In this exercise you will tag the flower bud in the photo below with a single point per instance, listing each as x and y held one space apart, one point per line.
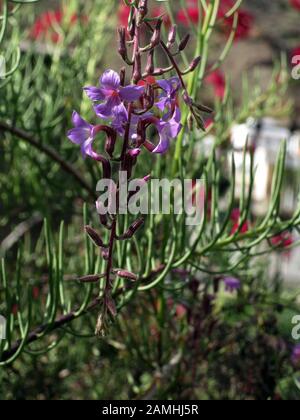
172 36
155 40
194 64
94 236
127 275
122 50
203 108
199 122
90 278
190 122
132 229
102 213
183 43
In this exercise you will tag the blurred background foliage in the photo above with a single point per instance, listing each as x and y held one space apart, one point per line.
188 337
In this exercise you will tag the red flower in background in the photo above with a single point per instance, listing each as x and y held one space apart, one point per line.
245 23
295 4
208 122
235 217
190 14
284 240
160 11
123 14
217 80
295 52
44 26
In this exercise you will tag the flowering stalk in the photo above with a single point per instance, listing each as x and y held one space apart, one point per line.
128 111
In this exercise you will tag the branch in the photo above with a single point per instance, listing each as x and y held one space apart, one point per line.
18 232
36 333
49 152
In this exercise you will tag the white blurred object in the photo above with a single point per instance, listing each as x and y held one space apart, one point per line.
265 137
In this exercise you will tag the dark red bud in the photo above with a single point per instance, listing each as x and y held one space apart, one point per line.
195 63
155 40
122 50
94 236
183 43
132 229
93 278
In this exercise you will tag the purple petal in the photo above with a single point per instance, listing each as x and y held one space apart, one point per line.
106 110
86 148
174 124
95 93
165 85
120 117
168 130
231 283
110 80
170 86
162 103
163 145
131 93
78 121
79 135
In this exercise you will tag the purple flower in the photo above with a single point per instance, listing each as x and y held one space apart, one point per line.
296 355
232 284
120 118
112 93
167 129
168 98
82 134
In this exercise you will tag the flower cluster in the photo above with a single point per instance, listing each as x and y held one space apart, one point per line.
126 112
111 101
